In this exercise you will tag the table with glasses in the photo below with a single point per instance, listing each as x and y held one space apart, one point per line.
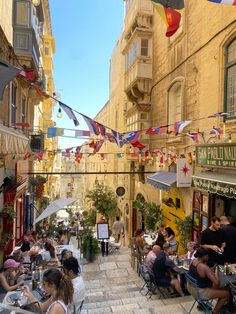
150 238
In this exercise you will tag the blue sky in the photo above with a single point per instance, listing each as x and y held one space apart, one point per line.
85 33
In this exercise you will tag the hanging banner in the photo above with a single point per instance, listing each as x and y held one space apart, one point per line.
184 173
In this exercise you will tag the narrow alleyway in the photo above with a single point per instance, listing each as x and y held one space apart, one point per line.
112 286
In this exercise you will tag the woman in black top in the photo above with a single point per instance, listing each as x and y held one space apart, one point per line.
208 282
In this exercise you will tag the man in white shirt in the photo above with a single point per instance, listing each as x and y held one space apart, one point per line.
72 270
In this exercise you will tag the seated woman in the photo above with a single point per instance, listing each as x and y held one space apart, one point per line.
208 282
49 255
8 276
169 236
65 254
63 238
140 244
191 247
160 240
60 290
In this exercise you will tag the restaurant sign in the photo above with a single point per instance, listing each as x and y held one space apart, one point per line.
216 187
217 156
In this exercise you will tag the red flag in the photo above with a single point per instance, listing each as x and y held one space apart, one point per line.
28 74
138 145
22 124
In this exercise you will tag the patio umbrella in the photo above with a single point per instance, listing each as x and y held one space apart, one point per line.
54 207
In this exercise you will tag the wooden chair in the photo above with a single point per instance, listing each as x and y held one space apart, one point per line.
133 253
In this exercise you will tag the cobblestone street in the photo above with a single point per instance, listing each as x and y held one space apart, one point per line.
112 286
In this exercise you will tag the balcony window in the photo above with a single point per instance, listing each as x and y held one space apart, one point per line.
13 108
231 79
26 25
175 104
131 55
22 14
23 113
144 47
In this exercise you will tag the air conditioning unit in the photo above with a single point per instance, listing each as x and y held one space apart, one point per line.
37 142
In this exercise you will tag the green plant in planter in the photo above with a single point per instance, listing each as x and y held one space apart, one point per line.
184 229
90 247
151 212
103 200
6 236
9 212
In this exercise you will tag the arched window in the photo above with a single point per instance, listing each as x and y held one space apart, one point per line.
231 79
175 104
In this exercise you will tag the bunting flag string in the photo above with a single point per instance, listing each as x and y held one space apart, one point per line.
120 139
232 2
69 112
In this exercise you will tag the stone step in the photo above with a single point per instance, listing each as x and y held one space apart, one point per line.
147 307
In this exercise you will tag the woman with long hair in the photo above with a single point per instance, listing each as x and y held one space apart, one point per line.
49 255
58 287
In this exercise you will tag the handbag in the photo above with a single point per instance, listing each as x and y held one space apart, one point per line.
32 307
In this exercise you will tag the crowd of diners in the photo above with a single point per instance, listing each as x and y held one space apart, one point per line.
216 247
61 283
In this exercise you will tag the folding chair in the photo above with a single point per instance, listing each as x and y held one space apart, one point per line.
148 281
114 247
79 309
204 304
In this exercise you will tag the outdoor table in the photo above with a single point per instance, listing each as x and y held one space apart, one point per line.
148 239
60 248
225 279
6 308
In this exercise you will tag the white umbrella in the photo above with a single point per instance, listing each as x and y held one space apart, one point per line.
54 207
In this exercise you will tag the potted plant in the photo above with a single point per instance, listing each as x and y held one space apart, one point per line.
184 228
103 200
6 236
90 247
8 212
151 212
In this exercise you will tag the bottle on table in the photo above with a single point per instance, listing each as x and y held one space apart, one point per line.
34 281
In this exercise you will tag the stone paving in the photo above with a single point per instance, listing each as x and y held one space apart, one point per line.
112 286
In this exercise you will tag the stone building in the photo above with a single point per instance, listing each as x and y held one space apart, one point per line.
22 27
157 81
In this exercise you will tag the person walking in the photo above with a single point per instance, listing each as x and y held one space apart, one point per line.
118 229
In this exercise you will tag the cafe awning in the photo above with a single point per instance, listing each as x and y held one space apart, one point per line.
12 142
162 180
55 206
223 184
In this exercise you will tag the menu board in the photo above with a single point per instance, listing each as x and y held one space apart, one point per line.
102 231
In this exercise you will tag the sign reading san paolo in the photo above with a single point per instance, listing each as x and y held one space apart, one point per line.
219 156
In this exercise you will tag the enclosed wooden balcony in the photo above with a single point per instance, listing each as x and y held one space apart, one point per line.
138 13
138 80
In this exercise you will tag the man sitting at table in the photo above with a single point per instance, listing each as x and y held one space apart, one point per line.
208 282
150 259
161 270
72 270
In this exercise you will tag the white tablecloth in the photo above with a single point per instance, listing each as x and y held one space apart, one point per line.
148 239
